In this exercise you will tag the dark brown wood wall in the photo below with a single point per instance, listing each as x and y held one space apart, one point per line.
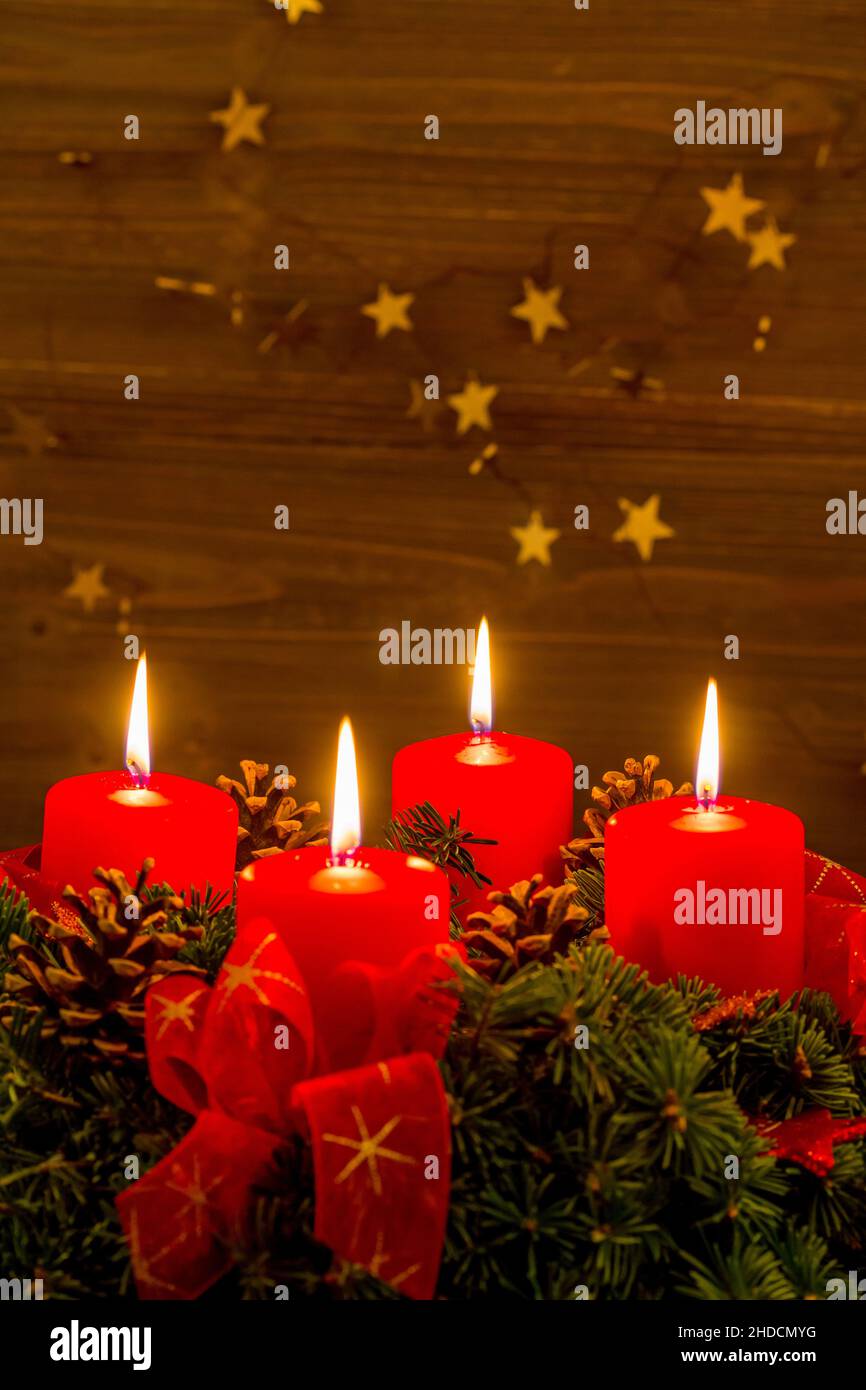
556 129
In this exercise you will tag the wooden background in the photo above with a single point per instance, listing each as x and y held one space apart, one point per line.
556 128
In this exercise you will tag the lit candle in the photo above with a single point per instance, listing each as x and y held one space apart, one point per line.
116 820
708 885
516 791
332 905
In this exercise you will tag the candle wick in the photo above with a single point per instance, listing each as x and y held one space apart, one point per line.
139 776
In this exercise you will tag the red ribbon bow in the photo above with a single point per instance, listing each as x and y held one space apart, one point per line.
240 1056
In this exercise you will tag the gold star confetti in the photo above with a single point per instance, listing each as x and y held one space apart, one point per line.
421 408
765 323
535 540
769 246
369 1149
729 208
389 311
285 331
88 586
635 383
540 310
236 308
246 976
296 9
472 405
487 455
124 609
642 526
171 282
30 432
241 121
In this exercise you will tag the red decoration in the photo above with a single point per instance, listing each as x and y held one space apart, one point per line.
836 936
808 1139
239 1056
22 869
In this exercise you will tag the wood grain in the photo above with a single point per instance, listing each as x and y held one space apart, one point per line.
556 129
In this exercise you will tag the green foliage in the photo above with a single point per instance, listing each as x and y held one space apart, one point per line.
212 910
421 830
602 1165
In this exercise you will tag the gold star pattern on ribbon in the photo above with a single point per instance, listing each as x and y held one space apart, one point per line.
240 121
88 586
389 311
245 976
379 1259
729 208
540 309
369 1149
642 525
178 1011
296 9
30 431
769 246
472 405
197 1197
142 1265
535 539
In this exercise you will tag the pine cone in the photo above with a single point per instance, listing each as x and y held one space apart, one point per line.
270 820
526 923
637 783
92 986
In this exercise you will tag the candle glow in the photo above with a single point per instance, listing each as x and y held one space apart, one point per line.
698 887
484 774
346 820
137 734
481 704
707 778
121 818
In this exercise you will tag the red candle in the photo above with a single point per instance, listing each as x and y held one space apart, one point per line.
344 903
516 791
708 885
116 820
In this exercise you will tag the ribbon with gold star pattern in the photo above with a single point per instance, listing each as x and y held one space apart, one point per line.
241 1056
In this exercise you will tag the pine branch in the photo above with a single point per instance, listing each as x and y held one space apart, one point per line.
422 831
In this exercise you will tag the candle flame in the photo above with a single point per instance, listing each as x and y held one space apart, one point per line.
137 736
481 704
707 781
346 820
